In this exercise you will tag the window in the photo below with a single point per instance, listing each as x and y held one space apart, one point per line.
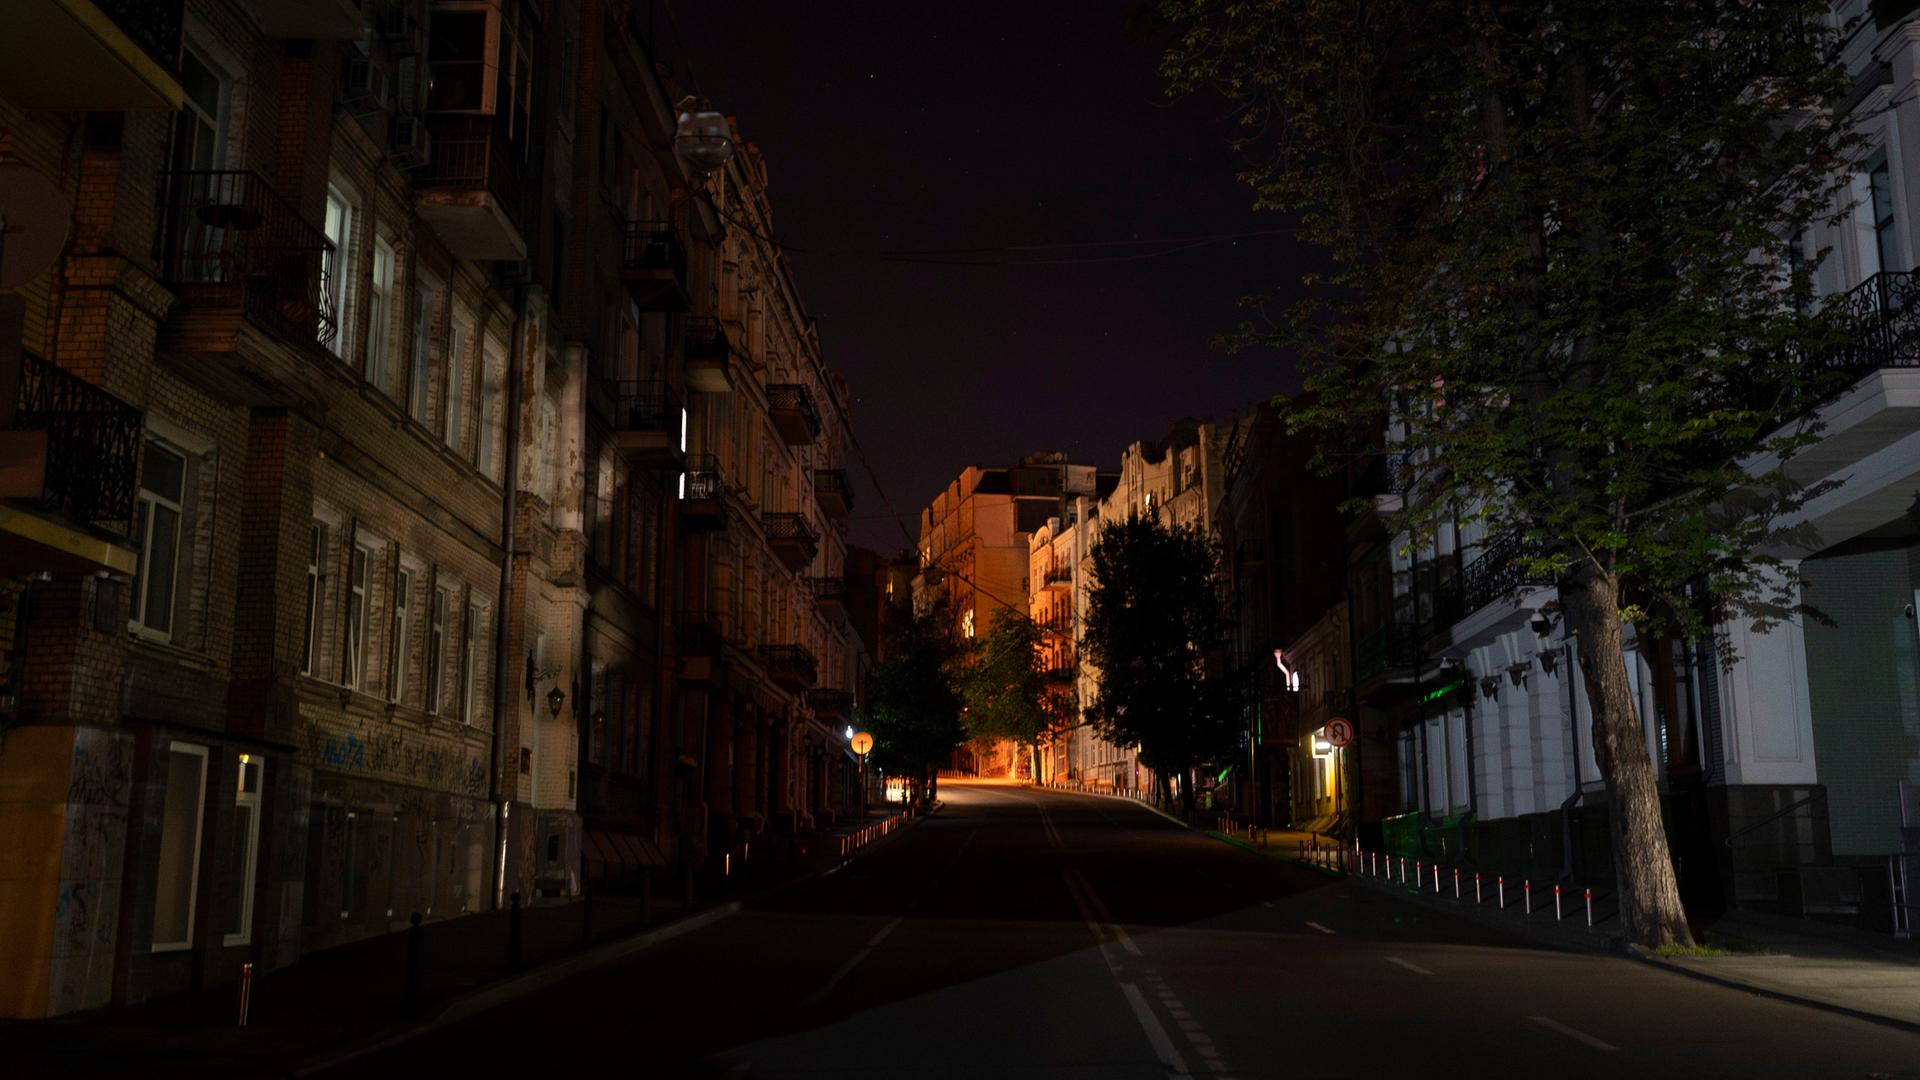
516 56
199 138
437 646
469 629
397 639
452 412
163 481
380 315
462 63
489 393
426 308
339 263
316 594
1880 186
177 881
243 851
354 663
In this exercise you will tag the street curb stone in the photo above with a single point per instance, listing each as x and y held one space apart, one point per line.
1643 953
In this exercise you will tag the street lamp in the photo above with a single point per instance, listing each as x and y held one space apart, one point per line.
556 697
862 743
703 138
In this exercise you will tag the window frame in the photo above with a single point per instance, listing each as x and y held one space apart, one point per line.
339 265
243 797
353 656
175 746
316 596
469 675
453 402
379 359
426 316
437 647
399 629
146 501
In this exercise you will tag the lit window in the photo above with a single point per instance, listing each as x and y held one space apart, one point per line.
176 881
244 852
163 481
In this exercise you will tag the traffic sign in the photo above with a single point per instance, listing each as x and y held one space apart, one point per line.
1339 731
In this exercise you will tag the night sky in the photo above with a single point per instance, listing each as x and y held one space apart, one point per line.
985 206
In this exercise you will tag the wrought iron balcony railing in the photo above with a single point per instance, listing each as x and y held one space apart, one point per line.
1499 569
154 25
93 443
789 527
1883 314
828 589
795 398
832 700
790 660
832 484
1059 573
228 238
706 338
654 245
704 480
646 405
471 152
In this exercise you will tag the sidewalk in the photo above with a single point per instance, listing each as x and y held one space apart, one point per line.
339 1000
1825 965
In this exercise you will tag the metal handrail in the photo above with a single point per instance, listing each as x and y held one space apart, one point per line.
1769 819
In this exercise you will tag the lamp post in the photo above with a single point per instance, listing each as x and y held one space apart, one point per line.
862 743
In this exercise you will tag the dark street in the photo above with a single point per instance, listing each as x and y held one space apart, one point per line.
1024 932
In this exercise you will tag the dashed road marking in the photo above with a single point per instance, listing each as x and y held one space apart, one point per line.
1415 968
1575 1034
1317 926
1156 1034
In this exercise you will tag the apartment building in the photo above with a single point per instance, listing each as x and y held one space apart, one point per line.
355 446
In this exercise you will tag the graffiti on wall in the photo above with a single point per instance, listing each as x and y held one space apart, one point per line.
390 755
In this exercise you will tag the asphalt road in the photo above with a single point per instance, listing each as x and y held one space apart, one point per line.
1023 933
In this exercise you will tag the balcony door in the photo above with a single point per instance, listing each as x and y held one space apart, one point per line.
198 152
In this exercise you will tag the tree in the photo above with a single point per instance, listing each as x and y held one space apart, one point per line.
1558 275
913 705
1006 690
1152 618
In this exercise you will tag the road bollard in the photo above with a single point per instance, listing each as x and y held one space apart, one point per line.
1589 909
1456 883
1556 903
1376 864
513 933
1416 874
1436 879
1403 869
1527 888
1476 888
246 991
1502 884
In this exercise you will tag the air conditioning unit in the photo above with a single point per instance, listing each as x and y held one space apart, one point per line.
404 29
363 84
408 144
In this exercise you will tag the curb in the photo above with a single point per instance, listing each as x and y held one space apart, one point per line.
1213 834
1641 952
493 995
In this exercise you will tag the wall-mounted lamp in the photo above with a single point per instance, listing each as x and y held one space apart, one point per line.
1548 660
1489 686
1517 674
556 697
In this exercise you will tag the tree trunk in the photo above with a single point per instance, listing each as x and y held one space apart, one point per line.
1650 910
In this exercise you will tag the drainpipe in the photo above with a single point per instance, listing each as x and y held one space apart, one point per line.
502 659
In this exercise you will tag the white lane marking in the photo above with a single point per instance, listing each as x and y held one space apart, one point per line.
884 931
1187 1026
1149 1023
1415 968
1106 916
1317 926
1575 1034
845 970
1266 903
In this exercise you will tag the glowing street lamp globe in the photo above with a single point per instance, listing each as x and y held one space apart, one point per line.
862 742
704 140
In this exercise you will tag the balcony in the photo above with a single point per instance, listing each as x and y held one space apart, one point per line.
92 55
650 425
1058 667
832 702
703 495
653 263
322 20
790 666
1058 575
473 188
831 489
790 407
701 645
709 355
791 538
68 460
830 593
239 257
1500 570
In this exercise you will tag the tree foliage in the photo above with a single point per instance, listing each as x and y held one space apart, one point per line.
1152 618
912 700
1005 689
1560 276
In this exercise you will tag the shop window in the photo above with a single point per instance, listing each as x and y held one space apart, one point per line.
243 851
177 878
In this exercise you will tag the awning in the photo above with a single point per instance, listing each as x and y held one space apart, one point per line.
614 854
